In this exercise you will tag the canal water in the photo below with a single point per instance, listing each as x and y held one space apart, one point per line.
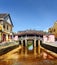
28 61
18 59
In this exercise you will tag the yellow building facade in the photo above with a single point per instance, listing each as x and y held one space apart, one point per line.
53 29
6 26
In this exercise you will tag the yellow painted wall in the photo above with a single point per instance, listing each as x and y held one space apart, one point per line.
53 29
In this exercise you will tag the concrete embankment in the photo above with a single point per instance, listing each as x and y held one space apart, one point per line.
49 47
50 53
6 49
11 54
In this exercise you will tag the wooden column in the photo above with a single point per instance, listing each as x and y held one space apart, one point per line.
25 47
22 47
39 47
35 47
6 37
0 36
1 32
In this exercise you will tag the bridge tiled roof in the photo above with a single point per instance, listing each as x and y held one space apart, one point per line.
34 32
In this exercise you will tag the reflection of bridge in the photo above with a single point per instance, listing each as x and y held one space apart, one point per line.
23 41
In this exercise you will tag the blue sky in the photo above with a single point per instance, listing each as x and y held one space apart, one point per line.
30 14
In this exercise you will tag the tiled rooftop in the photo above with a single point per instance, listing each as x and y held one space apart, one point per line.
3 15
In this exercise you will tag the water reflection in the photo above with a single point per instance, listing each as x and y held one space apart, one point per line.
28 62
30 47
17 59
